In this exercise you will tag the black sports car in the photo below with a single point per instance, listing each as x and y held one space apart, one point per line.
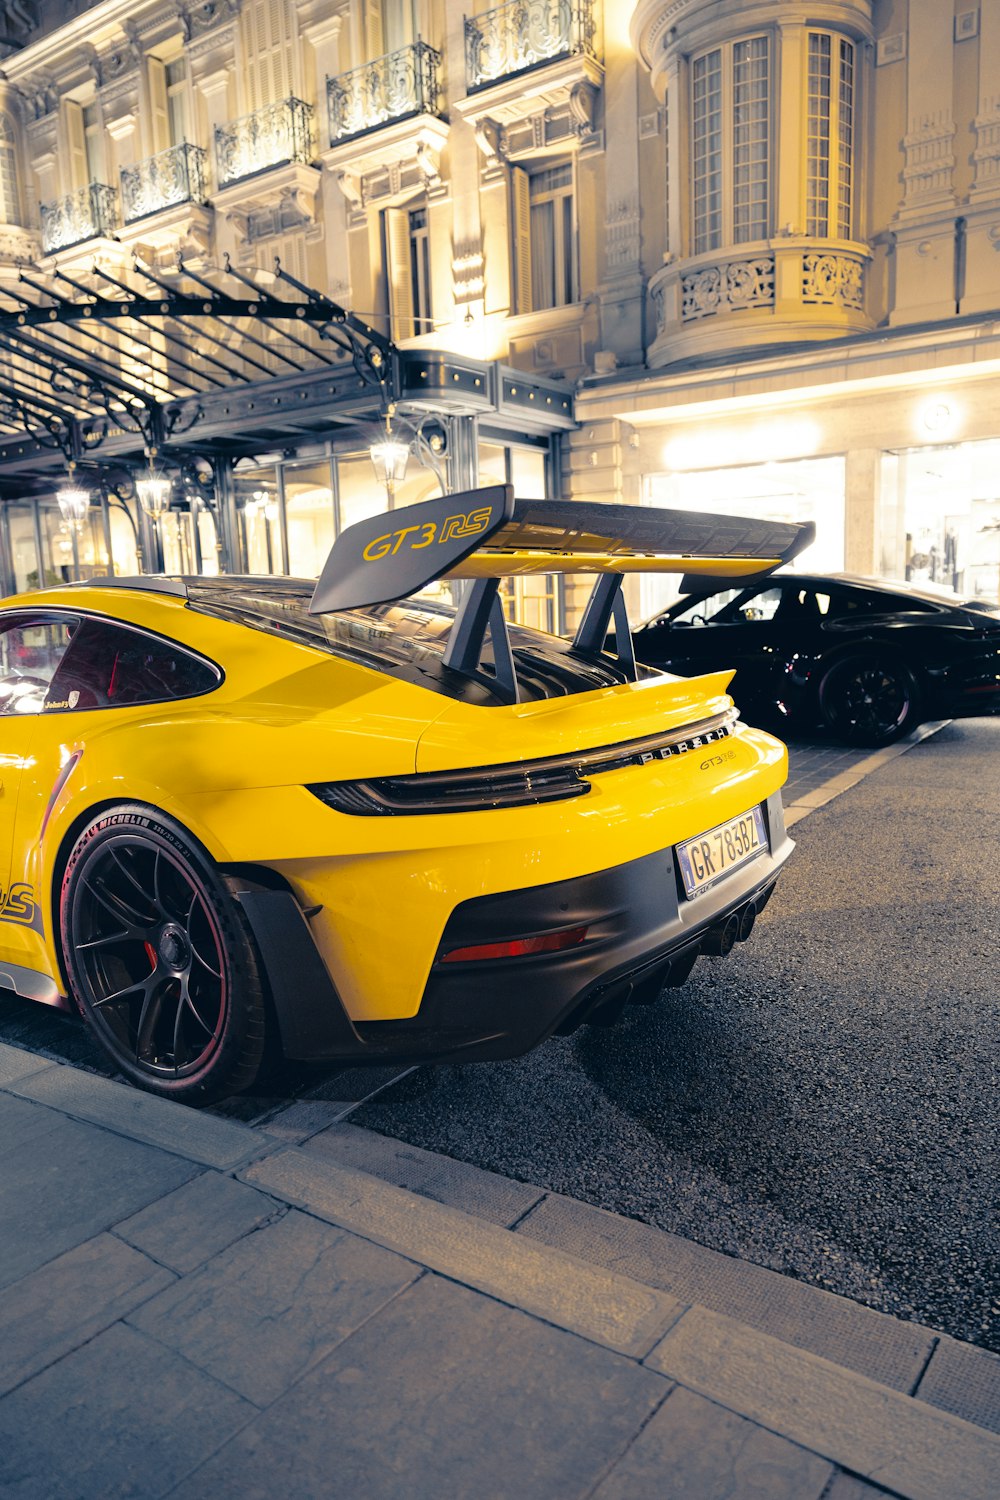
869 660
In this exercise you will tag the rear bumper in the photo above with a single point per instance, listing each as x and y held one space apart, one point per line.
642 932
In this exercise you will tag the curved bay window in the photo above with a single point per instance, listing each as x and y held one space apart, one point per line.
830 142
730 145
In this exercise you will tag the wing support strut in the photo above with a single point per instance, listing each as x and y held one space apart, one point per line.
481 613
607 604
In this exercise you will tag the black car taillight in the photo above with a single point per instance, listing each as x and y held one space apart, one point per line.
451 791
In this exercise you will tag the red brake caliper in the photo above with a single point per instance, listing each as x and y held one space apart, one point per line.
151 955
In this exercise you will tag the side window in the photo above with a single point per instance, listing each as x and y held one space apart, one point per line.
700 610
30 653
113 666
760 606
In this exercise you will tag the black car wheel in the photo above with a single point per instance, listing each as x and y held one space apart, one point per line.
869 700
159 958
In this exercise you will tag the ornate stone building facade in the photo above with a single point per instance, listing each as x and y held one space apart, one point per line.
760 239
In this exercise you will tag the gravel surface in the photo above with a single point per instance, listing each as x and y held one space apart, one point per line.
823 1101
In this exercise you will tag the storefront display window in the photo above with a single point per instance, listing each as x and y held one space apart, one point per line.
23 548
123 548
809 489
309 516
940 518
258 510
529 601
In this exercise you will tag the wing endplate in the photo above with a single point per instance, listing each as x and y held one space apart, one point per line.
399 552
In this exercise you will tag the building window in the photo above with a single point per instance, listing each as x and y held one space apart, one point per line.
10 198
406 233
730 106
420 268
830 145
544 238
93 136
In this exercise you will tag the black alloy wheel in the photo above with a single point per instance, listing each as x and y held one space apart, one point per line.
869 700
160 958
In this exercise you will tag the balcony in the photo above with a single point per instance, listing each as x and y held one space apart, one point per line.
171 177
772 292
526 34
88 213
533 75
395 87
270 137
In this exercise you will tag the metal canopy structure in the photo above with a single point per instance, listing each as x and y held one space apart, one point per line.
112 366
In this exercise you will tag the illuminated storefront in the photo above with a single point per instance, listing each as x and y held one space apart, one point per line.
889 442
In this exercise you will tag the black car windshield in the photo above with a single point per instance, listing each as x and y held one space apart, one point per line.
404 640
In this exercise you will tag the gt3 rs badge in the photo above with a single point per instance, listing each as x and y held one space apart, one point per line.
426 535
397 553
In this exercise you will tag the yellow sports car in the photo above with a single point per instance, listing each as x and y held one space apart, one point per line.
242 815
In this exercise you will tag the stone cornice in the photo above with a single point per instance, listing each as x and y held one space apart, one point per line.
53 51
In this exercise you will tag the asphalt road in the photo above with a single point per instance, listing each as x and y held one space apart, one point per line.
821 1102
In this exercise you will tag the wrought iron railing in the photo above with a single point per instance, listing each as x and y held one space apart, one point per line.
525 34
391 88
174 176
269 137
80 216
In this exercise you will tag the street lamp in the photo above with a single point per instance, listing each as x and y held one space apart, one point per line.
388 458
74 503
154 491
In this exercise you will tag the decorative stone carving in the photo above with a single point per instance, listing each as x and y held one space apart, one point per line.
468 272
40 95
428 165
583 106
489 139
986 155
831 280
659 313
352 189
929 160
727 288
622 236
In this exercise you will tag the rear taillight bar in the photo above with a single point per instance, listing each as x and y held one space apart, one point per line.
551 780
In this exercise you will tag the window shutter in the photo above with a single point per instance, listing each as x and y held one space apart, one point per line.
521 215
267 51
158 112
76 143
374 30
400 276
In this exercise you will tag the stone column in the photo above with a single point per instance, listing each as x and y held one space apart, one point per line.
925 222
788 149
861 510
622 289
982 274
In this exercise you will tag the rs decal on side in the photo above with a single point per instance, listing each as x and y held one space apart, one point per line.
17 904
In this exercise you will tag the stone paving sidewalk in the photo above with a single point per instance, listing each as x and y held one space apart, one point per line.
193 1307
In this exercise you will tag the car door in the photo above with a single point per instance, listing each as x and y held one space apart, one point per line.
32 645
740 628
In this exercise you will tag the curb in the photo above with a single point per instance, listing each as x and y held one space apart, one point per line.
796 811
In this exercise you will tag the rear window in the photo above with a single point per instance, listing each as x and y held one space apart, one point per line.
112 666
404 640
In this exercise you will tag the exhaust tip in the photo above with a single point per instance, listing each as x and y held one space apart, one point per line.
719 940
748 917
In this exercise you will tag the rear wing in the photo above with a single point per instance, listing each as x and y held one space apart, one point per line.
486 535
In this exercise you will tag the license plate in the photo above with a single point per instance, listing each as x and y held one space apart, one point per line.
712 855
